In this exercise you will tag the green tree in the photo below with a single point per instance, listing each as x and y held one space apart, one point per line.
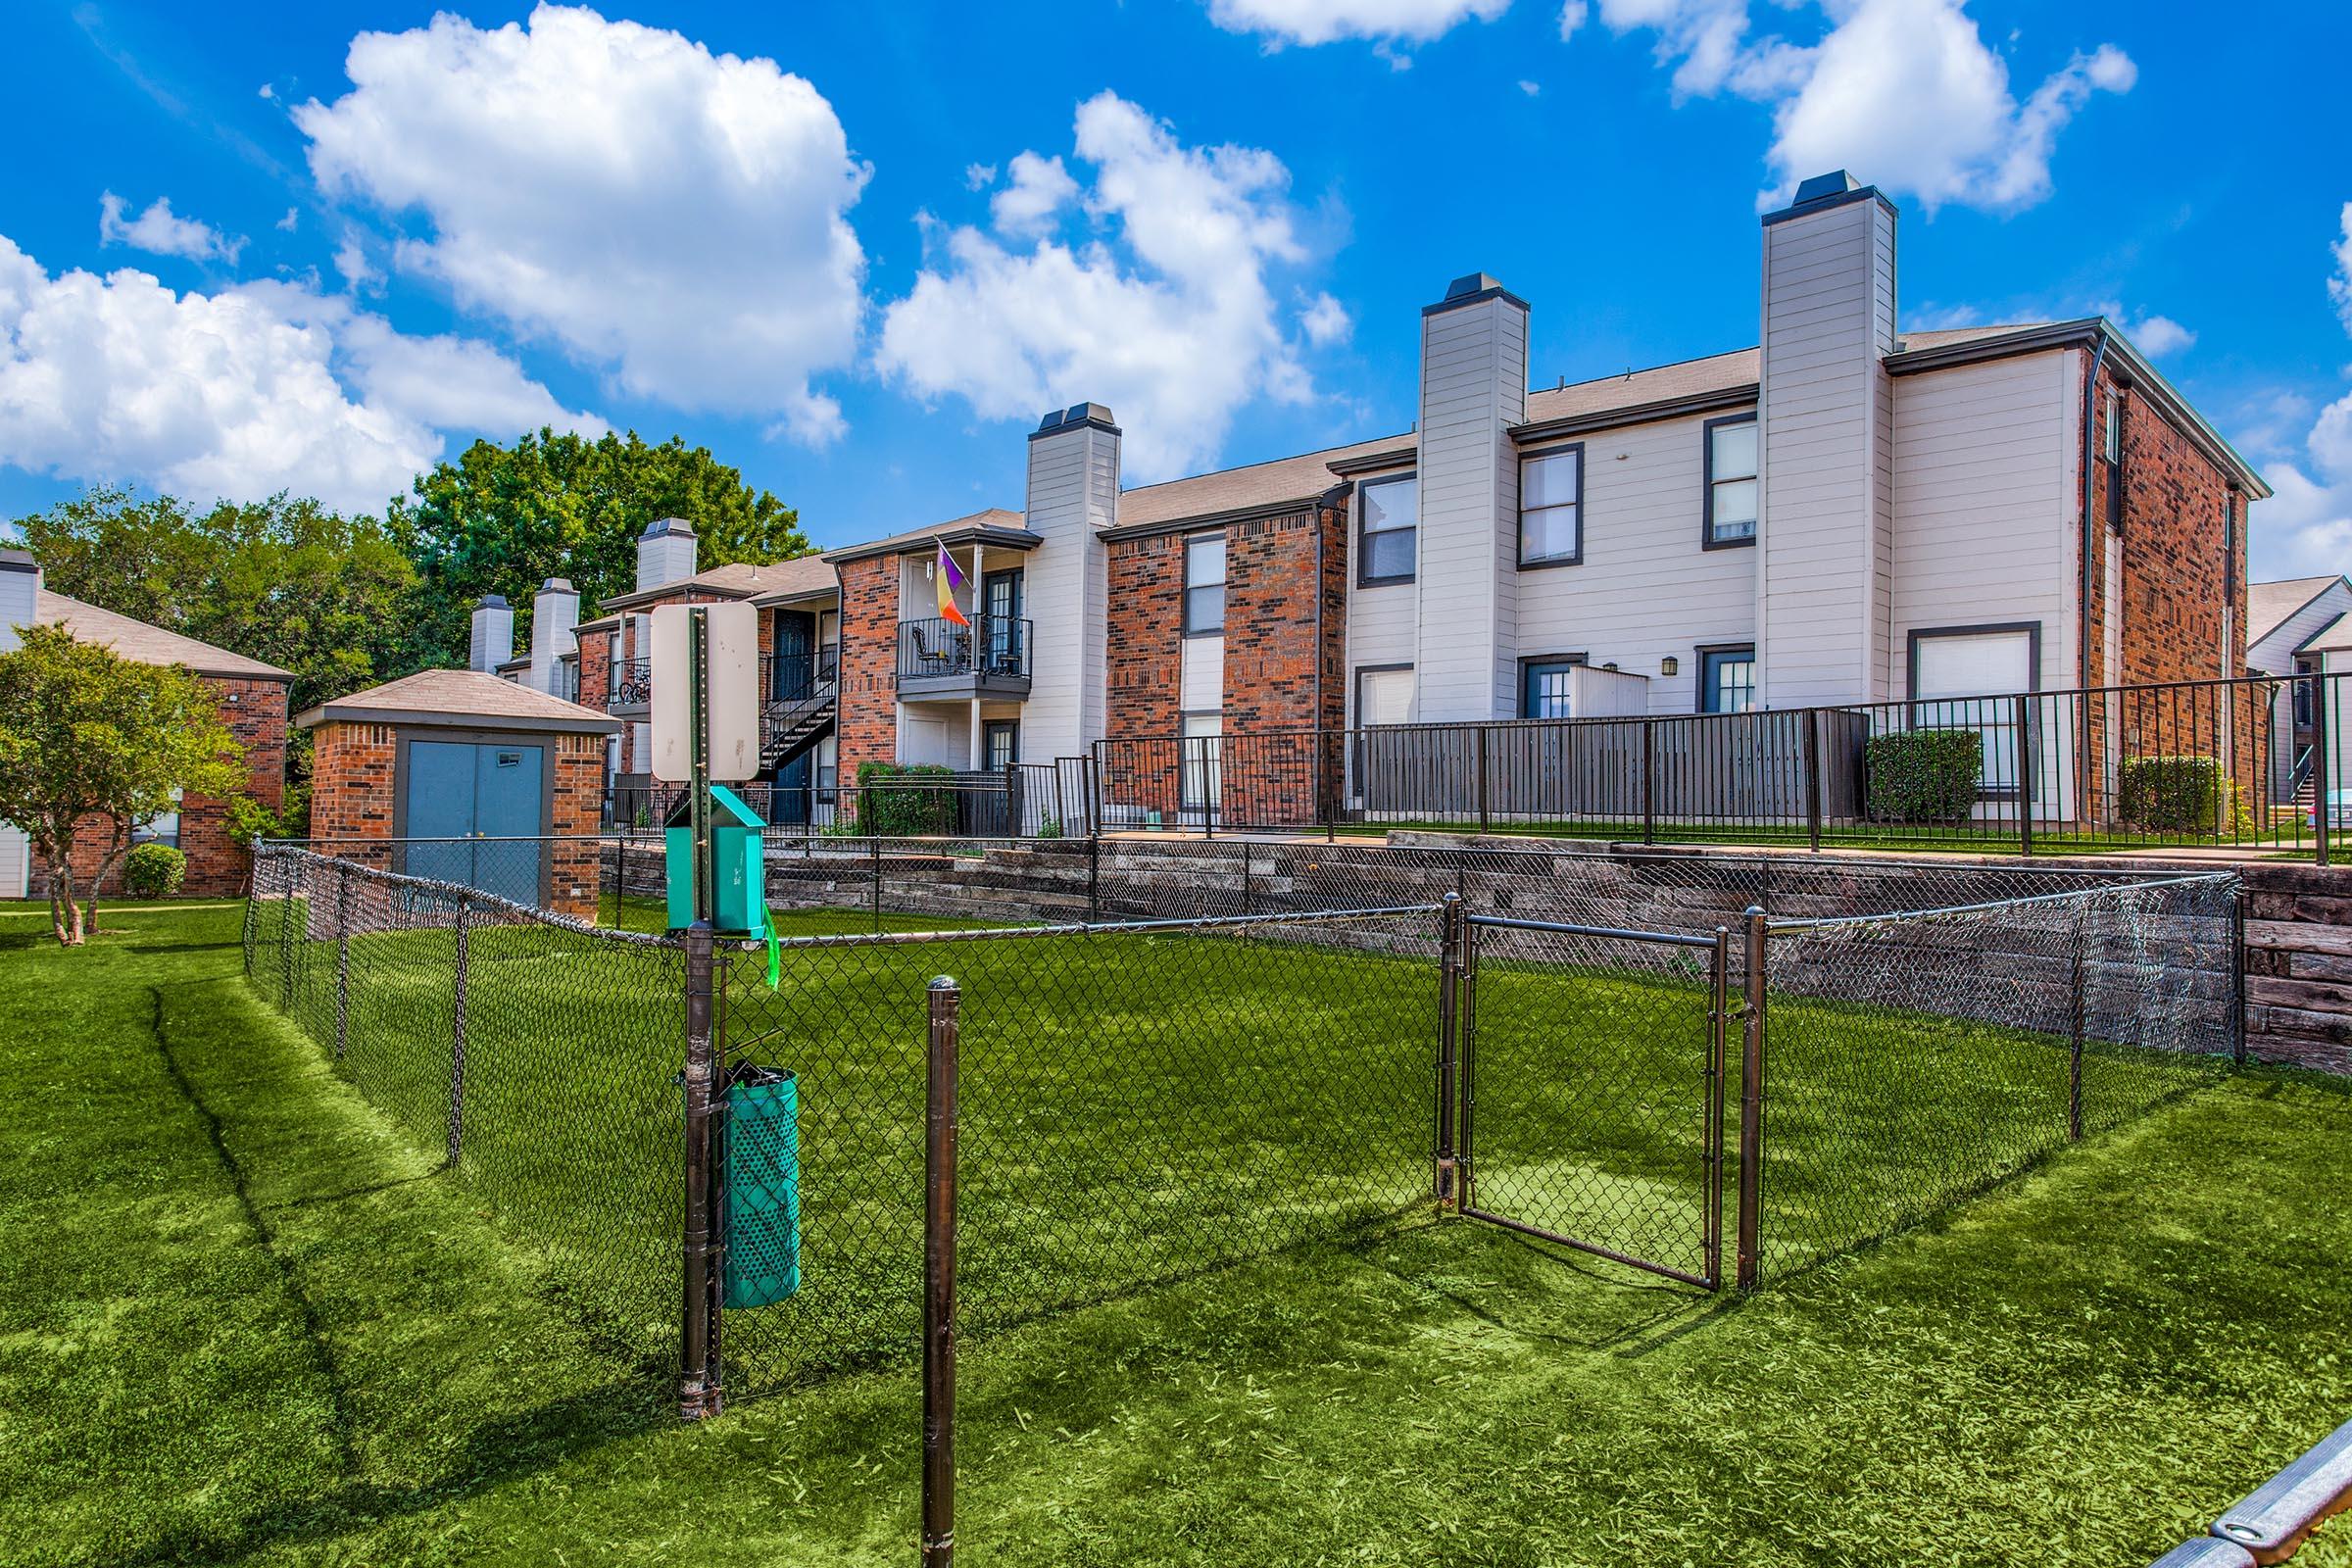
285 580
503 519
90 738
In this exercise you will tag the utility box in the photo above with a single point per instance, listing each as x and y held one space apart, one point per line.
760 1163
738 878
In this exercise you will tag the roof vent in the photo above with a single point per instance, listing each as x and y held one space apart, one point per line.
1463 287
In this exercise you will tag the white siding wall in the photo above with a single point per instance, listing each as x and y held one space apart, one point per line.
1645 591
2276 653
1473 389
1984 506
1073 490
1829 320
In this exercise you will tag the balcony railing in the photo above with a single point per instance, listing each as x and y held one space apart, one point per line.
991 648
632 685
789 678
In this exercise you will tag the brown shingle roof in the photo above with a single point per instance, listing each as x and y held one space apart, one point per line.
991 519
739 579
143 644
466 698
1258 484
2268 603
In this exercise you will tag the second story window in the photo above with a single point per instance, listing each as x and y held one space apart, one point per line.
1391 520
1731 482
2112 449
1552 496
1204 584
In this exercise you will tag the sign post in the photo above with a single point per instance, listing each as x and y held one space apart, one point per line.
709 656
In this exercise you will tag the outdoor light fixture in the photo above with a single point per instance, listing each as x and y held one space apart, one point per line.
1669 664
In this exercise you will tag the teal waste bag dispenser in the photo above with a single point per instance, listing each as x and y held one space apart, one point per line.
738 882
759 1162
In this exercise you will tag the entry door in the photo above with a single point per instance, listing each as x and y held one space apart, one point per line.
1000 601
482 801
1962 681
794 669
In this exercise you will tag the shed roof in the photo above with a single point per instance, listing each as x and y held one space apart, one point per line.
465 699
142 644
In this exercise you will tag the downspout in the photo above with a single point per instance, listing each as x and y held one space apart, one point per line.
2083 781
2091 395
1330 500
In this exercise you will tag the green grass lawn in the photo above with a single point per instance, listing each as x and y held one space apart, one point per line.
246 1321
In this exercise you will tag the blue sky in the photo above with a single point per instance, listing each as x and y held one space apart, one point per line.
857 250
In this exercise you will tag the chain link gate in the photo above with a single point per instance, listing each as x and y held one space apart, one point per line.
1591 1074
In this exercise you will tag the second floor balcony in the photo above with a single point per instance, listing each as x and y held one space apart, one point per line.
631 686
939 658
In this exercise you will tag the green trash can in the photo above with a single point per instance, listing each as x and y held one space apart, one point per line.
759 1160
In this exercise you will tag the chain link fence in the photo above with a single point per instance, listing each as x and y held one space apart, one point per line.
1250 1047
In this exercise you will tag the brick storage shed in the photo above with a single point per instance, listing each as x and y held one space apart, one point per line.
451 755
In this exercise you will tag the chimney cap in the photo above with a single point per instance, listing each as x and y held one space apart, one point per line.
1825 191
1077 413
667 527
1471 288
492 602
557 586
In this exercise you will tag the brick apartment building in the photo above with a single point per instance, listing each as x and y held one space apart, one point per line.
1847 513
252 697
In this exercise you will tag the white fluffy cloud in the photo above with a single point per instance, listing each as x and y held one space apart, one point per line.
1040 187
674 217
1164 310
2156 335
1315 22
161 232
2306 527
1325 321
1905 92
256 388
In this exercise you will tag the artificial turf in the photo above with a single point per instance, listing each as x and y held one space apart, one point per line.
246 1321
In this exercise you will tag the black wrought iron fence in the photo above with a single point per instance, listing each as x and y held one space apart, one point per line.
2255 762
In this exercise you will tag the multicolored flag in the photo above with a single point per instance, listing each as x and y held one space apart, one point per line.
949 580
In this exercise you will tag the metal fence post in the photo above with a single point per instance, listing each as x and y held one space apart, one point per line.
1812 755
1650 781
2075 1020
1719 1012
456 1034
2026 767
285 943
1479 746
2321 818
1452 933
939 1278
1750 1259
342 955
697 1397
1093 879
873 876
2237 975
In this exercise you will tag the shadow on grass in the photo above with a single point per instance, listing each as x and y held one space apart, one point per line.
507 1449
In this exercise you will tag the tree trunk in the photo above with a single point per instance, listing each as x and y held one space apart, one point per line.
118 847
65 915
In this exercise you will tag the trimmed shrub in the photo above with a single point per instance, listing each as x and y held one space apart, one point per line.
1923 775
152 870
2175 794
892 802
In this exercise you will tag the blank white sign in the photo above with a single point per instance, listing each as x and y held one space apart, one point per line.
733 684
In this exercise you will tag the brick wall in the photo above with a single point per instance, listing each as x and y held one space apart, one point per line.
868 725
1144 657
1283 635
255 712
2181 567
578 805
351 781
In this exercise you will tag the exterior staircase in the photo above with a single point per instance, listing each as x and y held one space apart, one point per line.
789 727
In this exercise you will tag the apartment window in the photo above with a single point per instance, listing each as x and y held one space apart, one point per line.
1385 549
161 828
2307 667
1731 489
1551 494
1968 677
2114 453
1204 584
1543 686
1727 679
1204 739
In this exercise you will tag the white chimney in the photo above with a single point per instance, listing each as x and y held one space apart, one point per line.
1823 622
1473 390
1073 493
665 553
555 612
493 641
19 595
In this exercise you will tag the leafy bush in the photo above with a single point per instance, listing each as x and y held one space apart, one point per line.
154 871
249 820
2175 794
1923 775
1049 829
893 803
